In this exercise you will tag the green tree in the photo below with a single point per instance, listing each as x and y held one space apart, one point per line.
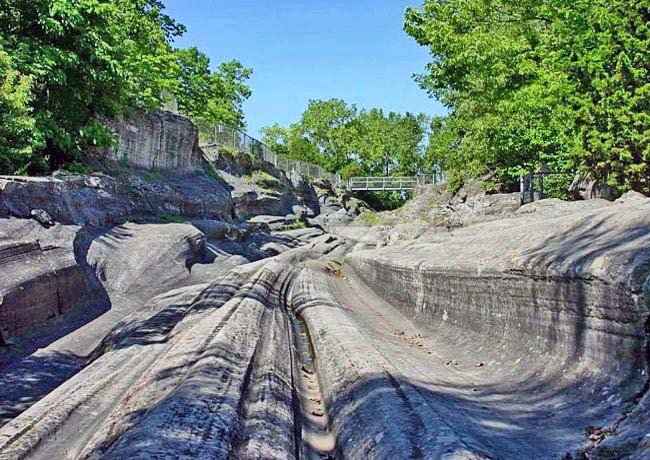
231 91
277 138
86 59
194 78
16 122
607 45
332 127
345 140
555 82
392 144
211 98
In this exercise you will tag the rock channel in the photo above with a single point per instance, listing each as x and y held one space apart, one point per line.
163 315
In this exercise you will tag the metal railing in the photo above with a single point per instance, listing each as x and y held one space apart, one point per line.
225 136
531 185
388 183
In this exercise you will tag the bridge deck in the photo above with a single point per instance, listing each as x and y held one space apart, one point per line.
388 183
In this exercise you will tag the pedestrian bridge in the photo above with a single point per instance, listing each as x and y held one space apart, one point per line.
378 184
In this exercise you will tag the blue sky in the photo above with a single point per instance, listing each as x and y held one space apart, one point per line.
307 49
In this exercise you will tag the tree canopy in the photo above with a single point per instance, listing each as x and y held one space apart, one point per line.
67 64
553 82
346 140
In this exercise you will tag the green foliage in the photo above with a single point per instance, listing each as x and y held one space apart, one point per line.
384 201
530 83
557 186
390 145
16 121
66 65
211 98
172 219
342 139
370 218
211 172
277 138
77 168
266 180
85 60
299 224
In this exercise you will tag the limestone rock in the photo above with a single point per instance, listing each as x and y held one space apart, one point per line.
160 140
631 196
585 187
42 217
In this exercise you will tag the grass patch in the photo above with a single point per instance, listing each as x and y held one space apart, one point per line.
211 172
264 179
171 219
299 224
155 176
370 218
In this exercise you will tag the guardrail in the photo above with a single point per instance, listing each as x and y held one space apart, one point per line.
388 183
225 136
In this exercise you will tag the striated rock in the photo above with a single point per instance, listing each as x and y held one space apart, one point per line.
160 140
140 260
41 278
102 200
571 285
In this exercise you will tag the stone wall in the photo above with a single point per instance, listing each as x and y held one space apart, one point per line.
160 140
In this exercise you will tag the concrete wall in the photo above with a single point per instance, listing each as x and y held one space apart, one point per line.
160 140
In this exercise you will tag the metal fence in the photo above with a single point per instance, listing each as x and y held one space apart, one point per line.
532 185
225 136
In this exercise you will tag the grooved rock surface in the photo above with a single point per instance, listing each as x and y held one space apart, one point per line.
571 285
40 278
39 284
525 337
103 200
137 260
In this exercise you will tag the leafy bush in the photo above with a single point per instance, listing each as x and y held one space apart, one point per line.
561 84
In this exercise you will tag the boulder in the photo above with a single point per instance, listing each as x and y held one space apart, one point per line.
42 217
585 187
631 196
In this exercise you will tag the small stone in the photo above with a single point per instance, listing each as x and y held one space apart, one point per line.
481 364
42 217
93 182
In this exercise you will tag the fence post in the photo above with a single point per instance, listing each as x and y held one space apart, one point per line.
522 191
541 186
